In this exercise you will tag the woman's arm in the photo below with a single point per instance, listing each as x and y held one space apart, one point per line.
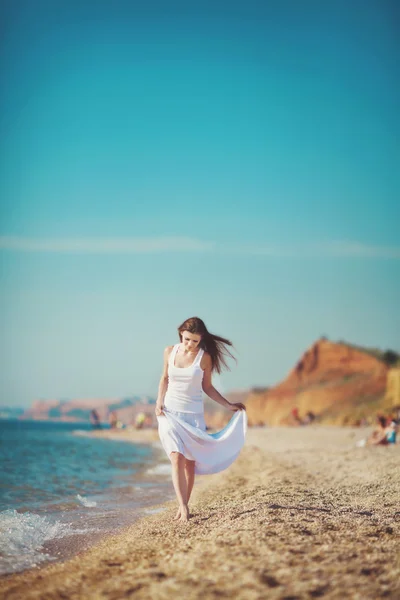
163 385
210 390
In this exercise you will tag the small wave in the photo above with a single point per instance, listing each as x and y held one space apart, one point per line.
22 538
85 502
161 469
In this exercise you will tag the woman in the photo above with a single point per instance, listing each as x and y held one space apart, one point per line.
187 373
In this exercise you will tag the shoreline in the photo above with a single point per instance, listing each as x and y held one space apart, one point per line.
48 535
301 513
132 435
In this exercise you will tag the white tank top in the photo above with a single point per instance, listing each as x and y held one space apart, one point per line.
184 391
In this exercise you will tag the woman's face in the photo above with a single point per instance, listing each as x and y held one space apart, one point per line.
190 341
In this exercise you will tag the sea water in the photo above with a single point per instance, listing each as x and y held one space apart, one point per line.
62 489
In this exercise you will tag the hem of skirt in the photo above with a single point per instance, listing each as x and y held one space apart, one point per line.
183 454
180 451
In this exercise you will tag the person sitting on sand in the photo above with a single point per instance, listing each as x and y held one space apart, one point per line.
187 373
378 436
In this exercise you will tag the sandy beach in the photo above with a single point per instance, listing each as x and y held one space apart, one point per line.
302 513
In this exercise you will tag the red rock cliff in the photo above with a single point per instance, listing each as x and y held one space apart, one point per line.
331 380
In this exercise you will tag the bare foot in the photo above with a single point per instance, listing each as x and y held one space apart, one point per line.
184 518
178 514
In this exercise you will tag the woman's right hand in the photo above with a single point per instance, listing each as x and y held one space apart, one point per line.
159 410
235 406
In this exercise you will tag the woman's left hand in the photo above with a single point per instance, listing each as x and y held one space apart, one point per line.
159 410
237 406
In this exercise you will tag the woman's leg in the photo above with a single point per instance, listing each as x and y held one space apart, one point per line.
189 473
189 470
180 483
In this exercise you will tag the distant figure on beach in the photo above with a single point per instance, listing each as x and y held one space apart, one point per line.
297 420
384 434
309 418
140 420
95 419
115 423
296 417
187 373
378 436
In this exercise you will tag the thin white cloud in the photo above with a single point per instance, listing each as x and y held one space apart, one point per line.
338 249
105 245
356 249
344 249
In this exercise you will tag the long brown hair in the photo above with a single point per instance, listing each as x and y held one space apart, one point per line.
215 345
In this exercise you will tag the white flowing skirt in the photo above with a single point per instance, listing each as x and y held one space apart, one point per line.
213 452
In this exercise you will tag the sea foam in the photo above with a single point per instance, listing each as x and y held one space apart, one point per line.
161 469
85 502
22 536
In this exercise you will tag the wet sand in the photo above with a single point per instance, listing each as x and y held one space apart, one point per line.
302 513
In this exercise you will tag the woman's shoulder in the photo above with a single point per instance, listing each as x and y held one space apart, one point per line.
205 360
168 350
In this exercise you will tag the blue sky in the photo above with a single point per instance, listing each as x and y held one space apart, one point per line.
235 161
